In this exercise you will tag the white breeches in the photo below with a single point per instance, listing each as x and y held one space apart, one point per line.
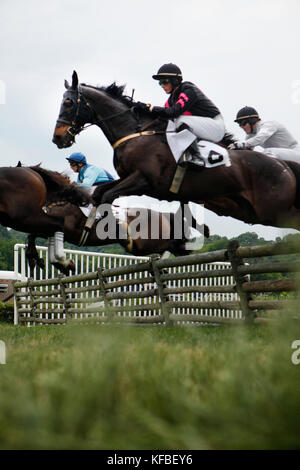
212 129
292 154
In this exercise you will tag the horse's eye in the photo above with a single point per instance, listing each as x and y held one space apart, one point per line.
68 103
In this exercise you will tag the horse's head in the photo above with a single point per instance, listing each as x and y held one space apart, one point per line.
74 113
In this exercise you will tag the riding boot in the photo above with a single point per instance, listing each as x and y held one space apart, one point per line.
192 151
194 154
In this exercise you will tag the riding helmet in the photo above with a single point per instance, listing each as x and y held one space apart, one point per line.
168 71
77 157
247 114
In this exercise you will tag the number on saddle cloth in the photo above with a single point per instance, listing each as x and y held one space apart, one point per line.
213 154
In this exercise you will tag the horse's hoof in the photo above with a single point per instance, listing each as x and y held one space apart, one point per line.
41 263
32 263
71 266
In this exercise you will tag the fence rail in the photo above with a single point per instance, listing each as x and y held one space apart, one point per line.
156 291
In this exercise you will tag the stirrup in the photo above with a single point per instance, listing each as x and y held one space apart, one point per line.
193 160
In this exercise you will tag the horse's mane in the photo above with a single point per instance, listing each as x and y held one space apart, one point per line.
54 177
60 187
117 92
114 91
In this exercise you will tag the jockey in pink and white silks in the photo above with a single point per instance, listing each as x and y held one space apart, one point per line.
275 139
189 108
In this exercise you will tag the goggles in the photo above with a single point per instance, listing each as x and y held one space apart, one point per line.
243 122
164 81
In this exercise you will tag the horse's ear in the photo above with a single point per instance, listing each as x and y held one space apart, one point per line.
74 80
67 85
19 164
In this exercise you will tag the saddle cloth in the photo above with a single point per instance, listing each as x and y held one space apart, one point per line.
212 154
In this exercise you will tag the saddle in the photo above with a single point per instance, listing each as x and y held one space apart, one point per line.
212 154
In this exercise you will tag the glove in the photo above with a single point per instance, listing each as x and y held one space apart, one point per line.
142 106
237 146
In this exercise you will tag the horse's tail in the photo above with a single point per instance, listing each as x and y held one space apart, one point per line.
60 187
295 167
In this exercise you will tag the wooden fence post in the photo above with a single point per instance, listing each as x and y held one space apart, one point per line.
64 296
165 309
102 284
17 303
32 304
236 261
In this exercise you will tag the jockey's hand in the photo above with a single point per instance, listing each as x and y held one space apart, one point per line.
237 146
142 106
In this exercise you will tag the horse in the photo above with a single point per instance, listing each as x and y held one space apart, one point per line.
165 242
24 192
255 188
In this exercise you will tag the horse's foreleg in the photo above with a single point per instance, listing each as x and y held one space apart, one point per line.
134 185
32 254
30 251
57 255
101 189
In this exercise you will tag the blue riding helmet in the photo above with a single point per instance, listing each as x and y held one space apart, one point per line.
77 157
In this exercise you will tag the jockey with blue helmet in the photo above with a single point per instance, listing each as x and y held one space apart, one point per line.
88 175
189 108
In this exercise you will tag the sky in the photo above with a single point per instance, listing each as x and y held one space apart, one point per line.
238 53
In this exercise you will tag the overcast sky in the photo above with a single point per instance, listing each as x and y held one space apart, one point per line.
238 53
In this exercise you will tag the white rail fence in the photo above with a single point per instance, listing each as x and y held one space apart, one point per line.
187 283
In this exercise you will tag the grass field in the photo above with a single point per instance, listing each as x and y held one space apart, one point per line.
118 387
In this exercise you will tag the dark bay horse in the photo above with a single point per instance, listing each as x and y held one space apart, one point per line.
23 194
74 221
256 189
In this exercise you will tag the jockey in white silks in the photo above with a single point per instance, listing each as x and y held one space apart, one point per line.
275 139
189 108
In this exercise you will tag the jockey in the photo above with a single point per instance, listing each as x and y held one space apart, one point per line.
88 175
189 108
271 135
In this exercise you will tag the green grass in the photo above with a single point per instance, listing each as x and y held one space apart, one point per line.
115 387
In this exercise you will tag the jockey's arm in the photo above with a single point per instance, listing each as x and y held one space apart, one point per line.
265 132
183 104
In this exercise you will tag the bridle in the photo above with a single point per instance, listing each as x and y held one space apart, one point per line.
84 111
